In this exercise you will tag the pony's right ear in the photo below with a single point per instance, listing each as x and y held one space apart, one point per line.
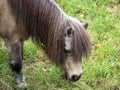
69 31
85 25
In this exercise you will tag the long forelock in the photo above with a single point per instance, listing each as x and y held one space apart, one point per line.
81 44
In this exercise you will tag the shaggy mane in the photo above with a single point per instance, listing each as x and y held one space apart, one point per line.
46 23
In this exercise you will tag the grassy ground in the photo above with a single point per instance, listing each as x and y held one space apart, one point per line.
100 72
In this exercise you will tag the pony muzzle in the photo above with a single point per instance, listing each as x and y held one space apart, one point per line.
73 77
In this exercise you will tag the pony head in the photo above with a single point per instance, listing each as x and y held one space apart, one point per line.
77 44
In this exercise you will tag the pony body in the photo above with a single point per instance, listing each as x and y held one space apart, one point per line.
47 24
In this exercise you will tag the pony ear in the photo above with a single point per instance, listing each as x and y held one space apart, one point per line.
69 31
85 25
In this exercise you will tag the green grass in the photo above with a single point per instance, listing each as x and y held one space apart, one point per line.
100 72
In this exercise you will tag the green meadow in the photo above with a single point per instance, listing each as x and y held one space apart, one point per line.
102 69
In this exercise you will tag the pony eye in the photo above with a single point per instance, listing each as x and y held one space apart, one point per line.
67 51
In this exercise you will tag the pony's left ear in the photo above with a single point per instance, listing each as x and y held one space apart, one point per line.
69 31
85 25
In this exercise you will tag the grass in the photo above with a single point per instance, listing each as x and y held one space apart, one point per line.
100 72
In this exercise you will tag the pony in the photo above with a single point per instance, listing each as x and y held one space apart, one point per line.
64 38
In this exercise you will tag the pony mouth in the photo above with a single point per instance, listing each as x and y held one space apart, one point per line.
73 78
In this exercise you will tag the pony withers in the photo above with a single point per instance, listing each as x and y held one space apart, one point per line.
64 38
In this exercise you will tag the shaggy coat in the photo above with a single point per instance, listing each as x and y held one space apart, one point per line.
46 23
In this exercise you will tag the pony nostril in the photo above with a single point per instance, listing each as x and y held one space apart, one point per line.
75 78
